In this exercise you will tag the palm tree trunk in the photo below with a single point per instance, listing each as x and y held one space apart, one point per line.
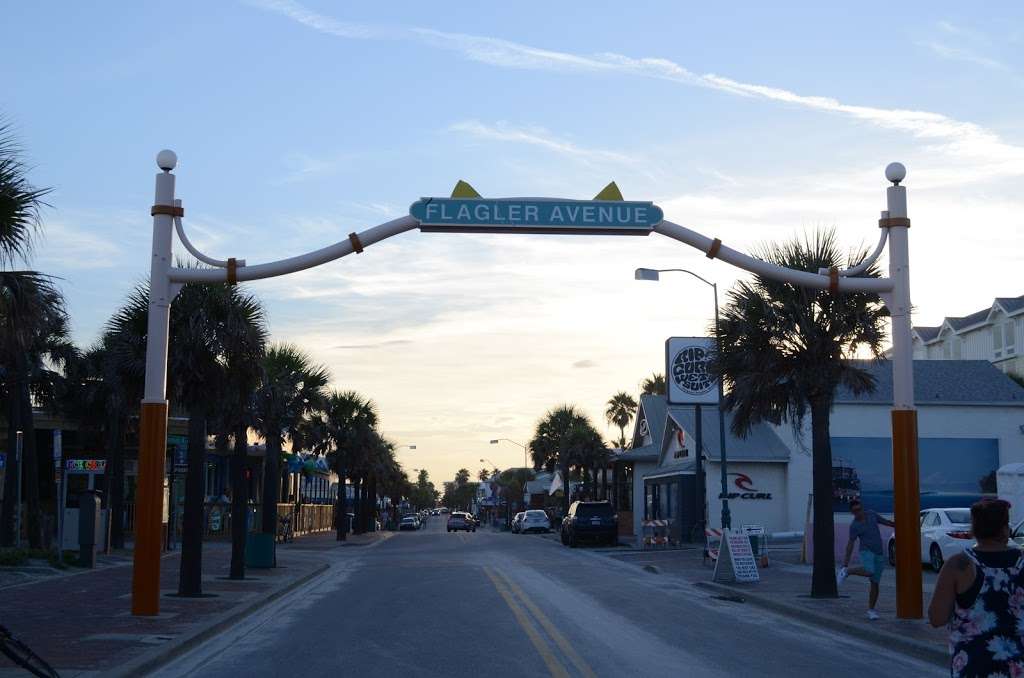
30 480
357 506
271 484
115 479
7 536
239 503
372 498
190 569
564 469
341 520
823 577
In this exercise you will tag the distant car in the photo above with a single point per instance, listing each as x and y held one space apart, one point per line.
444 509
461 521
517 520
590 521
409 523
944 532
435 512
534 521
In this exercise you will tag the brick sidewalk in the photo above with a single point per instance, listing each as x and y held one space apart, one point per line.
785 588
81 623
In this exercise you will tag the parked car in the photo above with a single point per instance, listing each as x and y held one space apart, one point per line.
444 509
590 521
944 532
461 521
534 520
517 520
409 523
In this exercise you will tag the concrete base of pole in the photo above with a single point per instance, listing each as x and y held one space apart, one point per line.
149 510
906 509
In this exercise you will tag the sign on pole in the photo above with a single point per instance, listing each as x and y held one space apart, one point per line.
687 378
735 559
535 215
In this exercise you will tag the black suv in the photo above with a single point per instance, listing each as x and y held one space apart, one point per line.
590 521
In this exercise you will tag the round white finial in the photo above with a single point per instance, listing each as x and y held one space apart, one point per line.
166 160
895 172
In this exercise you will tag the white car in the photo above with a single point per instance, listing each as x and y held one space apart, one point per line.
944 532
534 521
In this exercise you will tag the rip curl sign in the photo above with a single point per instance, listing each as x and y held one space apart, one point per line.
687 376
745 484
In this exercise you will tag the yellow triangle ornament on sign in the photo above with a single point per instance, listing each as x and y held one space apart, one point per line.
609 192
464 190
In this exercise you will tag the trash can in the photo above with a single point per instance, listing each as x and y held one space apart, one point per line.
260 550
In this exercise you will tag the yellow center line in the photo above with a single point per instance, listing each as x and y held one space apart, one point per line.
560 640
542 648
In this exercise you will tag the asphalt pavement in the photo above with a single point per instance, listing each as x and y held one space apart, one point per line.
429 603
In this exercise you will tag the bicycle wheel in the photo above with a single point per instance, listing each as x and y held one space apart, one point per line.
20 654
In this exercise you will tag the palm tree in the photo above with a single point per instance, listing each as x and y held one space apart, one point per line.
291 388
33 339
620 411
101 397
29 302
244 341
785 351
653 385
340 430
565 439
204 327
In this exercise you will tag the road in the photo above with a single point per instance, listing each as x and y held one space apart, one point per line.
429 603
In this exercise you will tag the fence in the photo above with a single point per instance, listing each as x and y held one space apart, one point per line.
217 519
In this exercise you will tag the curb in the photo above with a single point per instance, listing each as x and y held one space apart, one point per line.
913 648
151 662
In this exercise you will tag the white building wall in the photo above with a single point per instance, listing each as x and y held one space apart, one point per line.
770 478
939 421
935 421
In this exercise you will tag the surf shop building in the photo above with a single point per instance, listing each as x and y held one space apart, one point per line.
971 422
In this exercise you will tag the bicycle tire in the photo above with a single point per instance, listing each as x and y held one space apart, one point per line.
23 656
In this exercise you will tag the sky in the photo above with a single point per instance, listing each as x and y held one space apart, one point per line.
296 124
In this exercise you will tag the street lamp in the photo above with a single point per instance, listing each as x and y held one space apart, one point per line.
507 440
654 274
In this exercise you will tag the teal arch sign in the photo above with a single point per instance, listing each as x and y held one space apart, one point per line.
535 215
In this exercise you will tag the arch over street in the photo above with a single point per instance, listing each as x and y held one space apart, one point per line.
467 212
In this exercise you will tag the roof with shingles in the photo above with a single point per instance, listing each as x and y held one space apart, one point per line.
760 444
960 382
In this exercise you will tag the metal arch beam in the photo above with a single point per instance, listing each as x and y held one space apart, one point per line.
408 223
300 262
768 270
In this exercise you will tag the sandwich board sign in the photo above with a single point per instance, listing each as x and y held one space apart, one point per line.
735 559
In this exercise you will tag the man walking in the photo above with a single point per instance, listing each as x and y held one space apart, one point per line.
864 527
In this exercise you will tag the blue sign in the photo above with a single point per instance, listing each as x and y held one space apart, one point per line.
3 459
535 215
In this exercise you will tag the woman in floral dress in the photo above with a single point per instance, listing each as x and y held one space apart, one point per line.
980 596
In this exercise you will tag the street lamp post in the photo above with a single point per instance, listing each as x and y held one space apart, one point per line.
507 440
654 274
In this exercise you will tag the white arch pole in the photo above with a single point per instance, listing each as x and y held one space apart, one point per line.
163 278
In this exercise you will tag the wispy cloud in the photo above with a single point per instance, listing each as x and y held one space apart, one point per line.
584 364
963 54
948 135
972 54
535 136
379 344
